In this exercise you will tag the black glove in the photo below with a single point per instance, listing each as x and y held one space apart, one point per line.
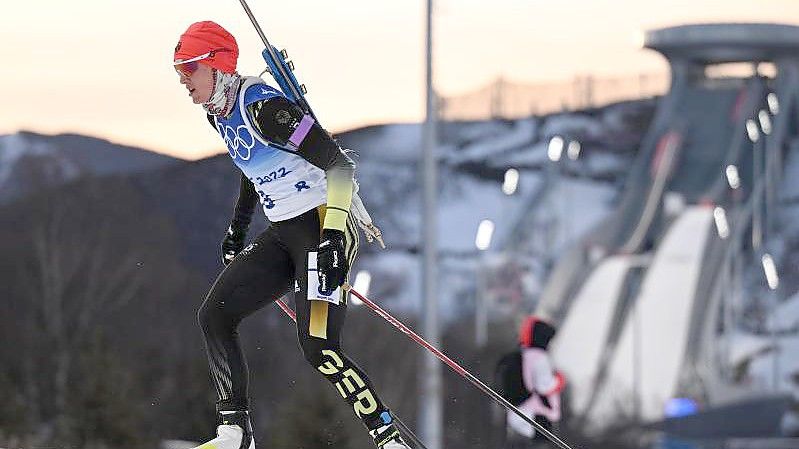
232 244
331 261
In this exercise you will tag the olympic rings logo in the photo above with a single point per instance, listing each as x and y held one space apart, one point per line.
234 139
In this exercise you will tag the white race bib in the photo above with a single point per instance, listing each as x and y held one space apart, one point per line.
313 284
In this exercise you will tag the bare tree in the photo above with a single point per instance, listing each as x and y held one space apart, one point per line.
77 276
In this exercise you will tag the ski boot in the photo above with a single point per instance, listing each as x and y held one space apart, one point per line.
233 431
387 436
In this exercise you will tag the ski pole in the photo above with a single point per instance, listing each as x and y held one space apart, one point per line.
456 367
293 315
287 309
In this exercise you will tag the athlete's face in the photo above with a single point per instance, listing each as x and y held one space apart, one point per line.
200 83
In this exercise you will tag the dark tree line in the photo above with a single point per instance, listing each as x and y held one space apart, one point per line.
101 347
91 287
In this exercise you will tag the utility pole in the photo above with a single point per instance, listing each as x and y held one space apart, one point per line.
431 413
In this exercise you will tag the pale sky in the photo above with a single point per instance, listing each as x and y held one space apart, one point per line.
103 67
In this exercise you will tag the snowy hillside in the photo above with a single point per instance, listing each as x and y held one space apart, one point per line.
554 203
29 161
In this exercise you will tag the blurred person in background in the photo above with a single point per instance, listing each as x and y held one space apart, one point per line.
527 379
305 183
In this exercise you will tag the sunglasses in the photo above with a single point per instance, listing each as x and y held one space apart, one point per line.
189 66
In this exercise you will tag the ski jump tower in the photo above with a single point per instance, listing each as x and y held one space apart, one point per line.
647 303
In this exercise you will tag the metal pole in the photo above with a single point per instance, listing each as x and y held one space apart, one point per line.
565 194
769 177
481 312
431 412
775 340
727 290
636 368
757 226
737 284
553 223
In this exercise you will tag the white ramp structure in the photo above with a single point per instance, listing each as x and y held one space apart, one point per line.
646 366
638 301
578 353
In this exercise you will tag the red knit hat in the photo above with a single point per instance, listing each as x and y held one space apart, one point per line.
204 37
